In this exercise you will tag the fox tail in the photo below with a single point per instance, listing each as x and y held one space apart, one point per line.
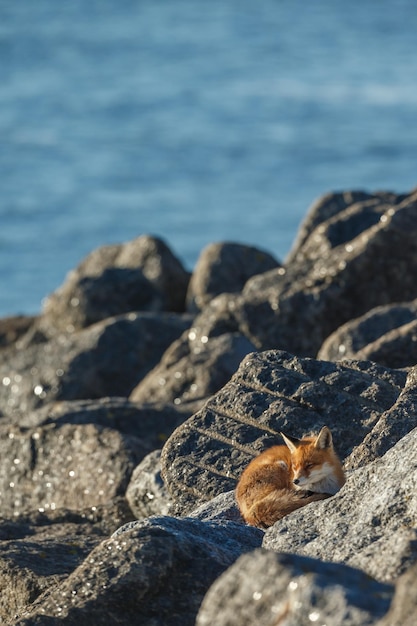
277 504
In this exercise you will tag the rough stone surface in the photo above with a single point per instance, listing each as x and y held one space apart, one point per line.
193 368
78 449
225 267
146 493
391 426
385 334
72 466
12 328
273 391
403 610
101 520
268 589
370 524
361 257
40 549
106 359
342 270
397 348
151 572
152 424
30 566
140 275
330 206
222 507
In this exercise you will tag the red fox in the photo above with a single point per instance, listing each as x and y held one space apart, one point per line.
284 478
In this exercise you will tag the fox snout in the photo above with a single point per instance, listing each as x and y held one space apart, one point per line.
299 480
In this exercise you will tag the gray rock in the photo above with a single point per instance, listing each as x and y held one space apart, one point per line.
222 507
100 520
39 550
218 317
384 334
267 589
192 369
140 275
333 204
153 572
29 567
370 524
12 328
397 348
225 267
146 492
151 423
73 466
272 391
403 610
393 424
108 358
359 259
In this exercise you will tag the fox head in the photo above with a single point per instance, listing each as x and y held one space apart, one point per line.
315 465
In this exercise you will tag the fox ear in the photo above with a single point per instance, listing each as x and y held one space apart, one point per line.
324 439
291 442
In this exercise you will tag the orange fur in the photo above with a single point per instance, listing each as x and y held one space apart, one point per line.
284 478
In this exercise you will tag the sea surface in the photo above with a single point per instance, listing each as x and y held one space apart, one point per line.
196 121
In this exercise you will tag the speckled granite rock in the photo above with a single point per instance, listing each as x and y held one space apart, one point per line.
393 424
386 335
268 589
370 524
108 358
72 466
225 267
38 550
71 437
404 605
146 493
140 275
360 257
273 391
151 572
152 424
192 369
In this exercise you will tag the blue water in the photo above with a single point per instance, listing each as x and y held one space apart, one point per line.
194 121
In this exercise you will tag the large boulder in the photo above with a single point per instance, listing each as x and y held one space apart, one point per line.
386 334
332 204
360 257
151 572
222 507
13 328
140 275
273 391
152 424
192 369
225 268
393 424
268 589
146 493
106 359
40 549
71 466
403 609
397 348
369 524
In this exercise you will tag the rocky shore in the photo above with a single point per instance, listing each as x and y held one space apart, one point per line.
131 404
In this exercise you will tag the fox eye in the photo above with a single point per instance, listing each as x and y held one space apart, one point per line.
309 465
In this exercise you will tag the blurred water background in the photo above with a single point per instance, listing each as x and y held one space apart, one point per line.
194 121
